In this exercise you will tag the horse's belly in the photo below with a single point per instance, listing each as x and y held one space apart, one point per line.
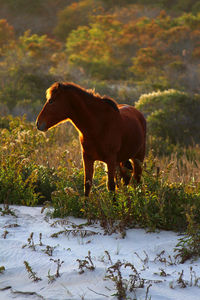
132 141
128 150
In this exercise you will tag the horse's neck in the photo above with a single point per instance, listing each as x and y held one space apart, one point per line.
84 115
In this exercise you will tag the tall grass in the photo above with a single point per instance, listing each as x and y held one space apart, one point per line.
37 167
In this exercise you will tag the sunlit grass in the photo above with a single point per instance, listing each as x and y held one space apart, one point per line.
36 168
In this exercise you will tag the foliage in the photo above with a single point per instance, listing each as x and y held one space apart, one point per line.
107 48
189 246
122 49
154 51
75 15
2 269
175 6
33 169
6 35
92 47
23 73
172 116
21 181
156 203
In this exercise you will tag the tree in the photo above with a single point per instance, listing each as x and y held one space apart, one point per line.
93 47
6 35
74 15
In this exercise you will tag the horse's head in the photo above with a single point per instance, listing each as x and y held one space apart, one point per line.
55 109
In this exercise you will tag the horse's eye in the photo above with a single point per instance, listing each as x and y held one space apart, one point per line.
50 101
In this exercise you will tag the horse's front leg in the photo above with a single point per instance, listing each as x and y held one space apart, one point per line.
88 173
111 175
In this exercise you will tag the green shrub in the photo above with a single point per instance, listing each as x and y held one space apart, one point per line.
172 116
189 246
29 175
74 15
155 203
22 181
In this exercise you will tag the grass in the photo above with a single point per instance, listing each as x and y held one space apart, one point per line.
36 168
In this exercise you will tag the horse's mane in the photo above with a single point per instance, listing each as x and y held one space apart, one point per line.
90 92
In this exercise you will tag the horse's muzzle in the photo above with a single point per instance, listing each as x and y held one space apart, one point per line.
41 126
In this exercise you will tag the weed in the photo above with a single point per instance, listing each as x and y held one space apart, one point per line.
59 264
162 273
2 269
33 169
164 258
86 263
194 280
11 225
7 211
32 275
182 283
4 235
30 243
51 278
49 250
147 297
122 285
143 260
109 257
189 246
74 232
40 239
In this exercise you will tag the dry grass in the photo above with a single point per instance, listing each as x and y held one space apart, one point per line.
184 168
66 145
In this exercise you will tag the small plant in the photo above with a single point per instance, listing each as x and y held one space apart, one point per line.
182 283
4 235
143 260
162 273
164 258
189 246
59 264
32 275
74 232
49 250
109 257
194 280
124 285
2 269
53 277
86 263
6 211
40 239
31 243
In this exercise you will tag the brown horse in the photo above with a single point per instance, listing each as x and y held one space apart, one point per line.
108 132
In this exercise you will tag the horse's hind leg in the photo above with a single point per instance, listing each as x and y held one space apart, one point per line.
88 174
111 164
126 170
137 161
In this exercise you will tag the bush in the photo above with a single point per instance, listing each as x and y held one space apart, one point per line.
172 115
22 181
36 167
155 203
74 15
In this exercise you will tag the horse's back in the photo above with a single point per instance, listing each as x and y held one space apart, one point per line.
131 115
133 131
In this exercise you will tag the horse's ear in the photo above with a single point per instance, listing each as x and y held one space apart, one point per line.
60 85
